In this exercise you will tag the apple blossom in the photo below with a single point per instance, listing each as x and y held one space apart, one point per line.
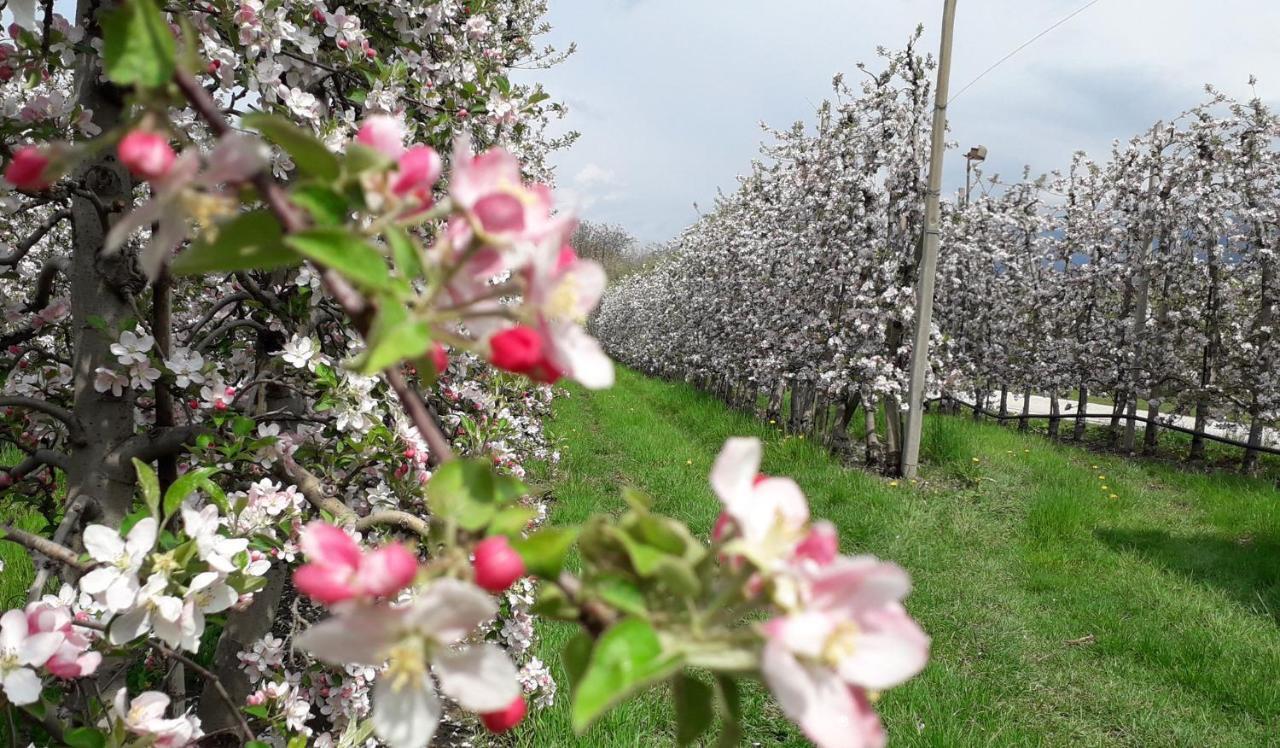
20 652
338 570
417 640
115 582
144 716
73 657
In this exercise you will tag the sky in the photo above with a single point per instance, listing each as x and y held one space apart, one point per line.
669 95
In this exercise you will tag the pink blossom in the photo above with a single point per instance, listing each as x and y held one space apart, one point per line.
769 514
848 635
340 571
144 716
72 659
490 190
420 168
21 650
383 133
821 545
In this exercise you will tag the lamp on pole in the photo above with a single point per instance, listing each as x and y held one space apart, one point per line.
976 153
910 456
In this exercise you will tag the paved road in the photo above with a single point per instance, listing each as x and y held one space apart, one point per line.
1100 413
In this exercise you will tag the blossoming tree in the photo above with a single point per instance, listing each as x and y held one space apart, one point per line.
274 388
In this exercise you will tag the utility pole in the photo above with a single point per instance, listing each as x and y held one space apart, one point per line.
929 255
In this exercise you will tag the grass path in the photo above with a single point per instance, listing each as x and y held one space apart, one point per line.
1060 615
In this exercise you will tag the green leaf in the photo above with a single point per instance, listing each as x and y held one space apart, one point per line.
512 521
694 708
637 500
138 47
544 551
553 603
308 153
84 737
404 249
576 655
470 493
327 207
344 252
621 594
394 337
150 486
250 241
730 703
186 484
361 158
627 658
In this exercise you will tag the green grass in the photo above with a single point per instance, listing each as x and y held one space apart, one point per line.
1059 615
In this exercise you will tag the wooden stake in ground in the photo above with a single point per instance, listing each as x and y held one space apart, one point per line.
929 253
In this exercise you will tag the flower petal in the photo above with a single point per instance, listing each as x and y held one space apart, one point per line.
826 709
735 468
450 610
142 536
359 635
891 648
103 543
38 648
480 678
22 686
405 715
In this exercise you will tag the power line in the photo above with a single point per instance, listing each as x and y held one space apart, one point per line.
1023 46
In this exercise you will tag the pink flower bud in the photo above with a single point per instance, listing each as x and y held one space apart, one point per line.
410 453
439 358
521 350
28 169
383 133
318 15
343 44
497 565
220 405
504 720
146 154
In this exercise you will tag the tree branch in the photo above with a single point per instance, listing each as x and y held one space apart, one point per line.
70 521
46 407
54 551
313 490
21 249
36 460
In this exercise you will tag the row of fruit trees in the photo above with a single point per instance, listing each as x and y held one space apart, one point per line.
1148 276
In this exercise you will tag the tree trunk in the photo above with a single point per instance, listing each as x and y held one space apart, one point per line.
1023 421
1250 462
1004 400
1054 413
1082 409
102 291
1151 435
892 433
873 441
